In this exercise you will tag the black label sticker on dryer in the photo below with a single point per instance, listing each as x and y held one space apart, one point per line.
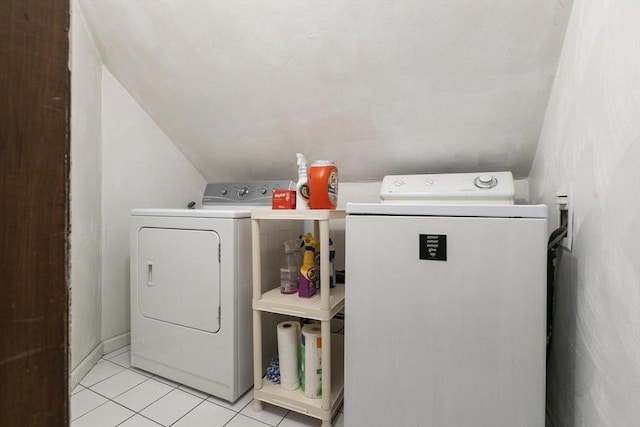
433 247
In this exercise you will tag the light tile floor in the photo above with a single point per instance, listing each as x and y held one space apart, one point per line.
115 394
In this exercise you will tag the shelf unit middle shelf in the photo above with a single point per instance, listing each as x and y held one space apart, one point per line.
275 301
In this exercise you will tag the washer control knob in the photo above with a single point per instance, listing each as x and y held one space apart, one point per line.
428 182
485 181
243 191
398 182
263 191
223 192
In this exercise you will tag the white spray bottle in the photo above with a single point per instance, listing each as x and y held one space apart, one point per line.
302 186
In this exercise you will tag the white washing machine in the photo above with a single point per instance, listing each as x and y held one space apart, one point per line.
445 305
191 318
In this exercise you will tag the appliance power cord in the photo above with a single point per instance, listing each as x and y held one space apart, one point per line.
552 254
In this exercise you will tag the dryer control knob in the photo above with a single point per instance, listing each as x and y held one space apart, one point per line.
243 191
485 181
224 192
263 191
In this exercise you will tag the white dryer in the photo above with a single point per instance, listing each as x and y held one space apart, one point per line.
191 287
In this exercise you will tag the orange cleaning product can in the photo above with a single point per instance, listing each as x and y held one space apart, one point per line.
323 185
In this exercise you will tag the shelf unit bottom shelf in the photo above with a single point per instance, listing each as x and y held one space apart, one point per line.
294 399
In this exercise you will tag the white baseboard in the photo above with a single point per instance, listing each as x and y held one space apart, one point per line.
105 347
85 366
117 342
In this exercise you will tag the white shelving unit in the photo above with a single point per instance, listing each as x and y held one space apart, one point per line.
322 307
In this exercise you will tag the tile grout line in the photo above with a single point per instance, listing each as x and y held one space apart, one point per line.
124 421
130 388
283 418
119 352
238 414
87 413
106 378
81 388
145 407
193 392
188 412
138 412
133 415
112 399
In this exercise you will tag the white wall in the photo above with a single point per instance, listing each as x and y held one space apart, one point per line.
378 86
86 214
141 168
591 143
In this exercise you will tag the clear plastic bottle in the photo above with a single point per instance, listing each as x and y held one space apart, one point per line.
290 268
302 186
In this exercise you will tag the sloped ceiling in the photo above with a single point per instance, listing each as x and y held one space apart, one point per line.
380 87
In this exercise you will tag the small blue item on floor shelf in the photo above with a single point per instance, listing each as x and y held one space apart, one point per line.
273 371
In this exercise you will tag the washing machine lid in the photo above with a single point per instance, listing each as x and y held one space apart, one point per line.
489 211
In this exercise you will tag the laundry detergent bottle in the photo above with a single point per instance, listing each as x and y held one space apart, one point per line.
306 284
323 185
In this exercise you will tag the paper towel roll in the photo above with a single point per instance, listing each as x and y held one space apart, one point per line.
288 353
311 361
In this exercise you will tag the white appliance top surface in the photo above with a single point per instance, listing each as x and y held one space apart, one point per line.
454 188
489 211
218 212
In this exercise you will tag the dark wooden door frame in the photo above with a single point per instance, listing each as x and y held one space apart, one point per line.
34 212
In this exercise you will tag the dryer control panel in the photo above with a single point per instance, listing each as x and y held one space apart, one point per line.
487 188
243 192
